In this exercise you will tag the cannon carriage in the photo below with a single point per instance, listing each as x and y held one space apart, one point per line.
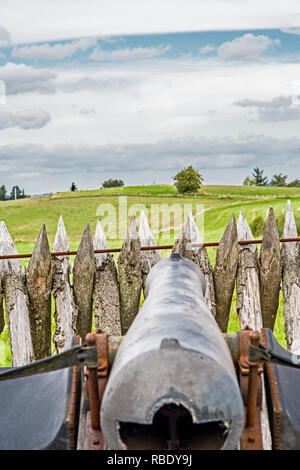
173 382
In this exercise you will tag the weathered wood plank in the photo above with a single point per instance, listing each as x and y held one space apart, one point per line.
83 282
16 302
247 280
130 276
65 311
39 281
2 322
290 261
269 272
295 307
106 290
190 235
148 258
225 273
248 303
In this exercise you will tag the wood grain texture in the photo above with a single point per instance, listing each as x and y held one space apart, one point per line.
130 276
65 309
225 273
247 280
106 291
39 282
248 304
16 302
83 282
2 321
269 272
148 258
190 235
290 260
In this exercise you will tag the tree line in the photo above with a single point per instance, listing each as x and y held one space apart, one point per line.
258 179
111 183
15 193
189 180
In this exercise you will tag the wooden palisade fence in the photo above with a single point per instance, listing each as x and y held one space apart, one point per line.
106 295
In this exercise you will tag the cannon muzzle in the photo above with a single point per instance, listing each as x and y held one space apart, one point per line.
173 384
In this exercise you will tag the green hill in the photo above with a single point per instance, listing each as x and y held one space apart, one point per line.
25 217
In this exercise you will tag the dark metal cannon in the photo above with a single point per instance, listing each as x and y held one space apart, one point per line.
173 382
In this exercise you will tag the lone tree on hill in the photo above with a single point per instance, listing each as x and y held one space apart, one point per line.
17 193
294 183
278 180
3 193
258 177
113 183
188 180
73 187
248 181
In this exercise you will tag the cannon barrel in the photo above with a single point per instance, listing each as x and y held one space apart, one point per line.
173 384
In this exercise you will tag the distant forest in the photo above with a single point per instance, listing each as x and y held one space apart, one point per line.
15 193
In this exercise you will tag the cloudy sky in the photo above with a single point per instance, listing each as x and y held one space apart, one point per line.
138 89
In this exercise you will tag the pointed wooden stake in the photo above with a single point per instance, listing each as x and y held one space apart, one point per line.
225 273
39 280
106 291
269 272
130 276
247 280
2 322
148 258
183 245
295 307
248 304
65 310
83 280
290 260
16 302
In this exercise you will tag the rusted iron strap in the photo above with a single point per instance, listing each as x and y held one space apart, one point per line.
275 400
96 380
94 439
78 355
251 389
144 248
72 410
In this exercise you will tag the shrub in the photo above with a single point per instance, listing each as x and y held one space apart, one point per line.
258 226
112 183
188 180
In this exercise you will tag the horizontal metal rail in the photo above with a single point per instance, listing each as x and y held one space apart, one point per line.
146 248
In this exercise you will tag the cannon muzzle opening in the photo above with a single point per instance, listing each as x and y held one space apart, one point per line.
172 428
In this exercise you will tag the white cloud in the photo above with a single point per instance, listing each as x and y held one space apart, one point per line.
206 49
32 119
129 54
43 21
247 47
20 78
53 52
281 108
168 113
5 39
291 31
244 152
96 83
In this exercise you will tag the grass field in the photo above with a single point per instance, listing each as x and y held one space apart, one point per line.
25 217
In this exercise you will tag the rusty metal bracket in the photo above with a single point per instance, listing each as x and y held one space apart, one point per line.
250 378
96 379
273 391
